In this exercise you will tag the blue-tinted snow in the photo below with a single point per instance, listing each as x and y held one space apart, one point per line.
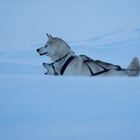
33 106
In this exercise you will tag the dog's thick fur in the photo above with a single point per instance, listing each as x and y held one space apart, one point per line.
60 53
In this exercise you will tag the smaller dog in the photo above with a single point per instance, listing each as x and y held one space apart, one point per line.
51 70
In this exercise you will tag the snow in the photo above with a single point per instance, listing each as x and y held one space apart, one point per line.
35 106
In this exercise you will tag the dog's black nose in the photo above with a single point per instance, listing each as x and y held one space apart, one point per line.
37 50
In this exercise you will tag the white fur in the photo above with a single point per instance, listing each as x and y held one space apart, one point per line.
57 48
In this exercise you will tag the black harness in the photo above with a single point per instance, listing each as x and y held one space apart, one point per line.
92 74
70 59
66 64
97 73
61 58
63 67
55 72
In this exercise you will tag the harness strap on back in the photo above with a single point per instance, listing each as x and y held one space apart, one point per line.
97 73
65 65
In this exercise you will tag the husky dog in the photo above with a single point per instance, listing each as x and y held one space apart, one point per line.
66 62
51 70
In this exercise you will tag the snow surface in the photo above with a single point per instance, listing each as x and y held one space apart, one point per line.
39 107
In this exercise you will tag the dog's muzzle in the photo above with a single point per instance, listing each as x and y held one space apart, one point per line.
38 51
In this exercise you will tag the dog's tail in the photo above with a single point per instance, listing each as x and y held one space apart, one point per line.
133 68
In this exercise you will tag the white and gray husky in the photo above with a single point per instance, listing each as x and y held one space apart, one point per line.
66 62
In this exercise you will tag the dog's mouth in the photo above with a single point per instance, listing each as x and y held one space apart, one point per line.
43 53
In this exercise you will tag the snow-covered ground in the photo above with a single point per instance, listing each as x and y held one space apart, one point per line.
34 106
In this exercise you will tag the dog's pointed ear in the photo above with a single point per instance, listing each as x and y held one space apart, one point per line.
49 36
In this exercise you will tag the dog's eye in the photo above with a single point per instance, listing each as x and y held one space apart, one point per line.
46 46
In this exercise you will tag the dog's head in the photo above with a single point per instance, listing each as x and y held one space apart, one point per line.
54 48
50 69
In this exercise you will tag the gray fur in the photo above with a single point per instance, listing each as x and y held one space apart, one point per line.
81 65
